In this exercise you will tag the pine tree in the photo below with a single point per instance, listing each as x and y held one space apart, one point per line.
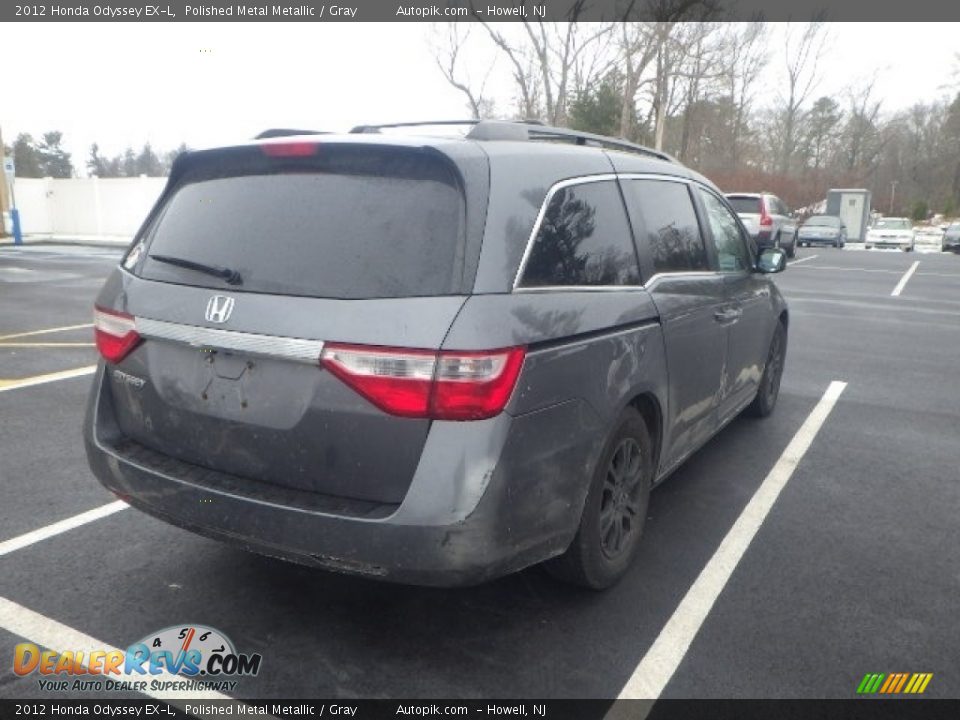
97 164
148 163
54 160
26 157
128 163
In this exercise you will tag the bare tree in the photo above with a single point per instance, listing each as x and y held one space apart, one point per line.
802 52
860 133
549 60
747 58
449 41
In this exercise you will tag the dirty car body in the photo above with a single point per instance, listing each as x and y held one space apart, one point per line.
402 357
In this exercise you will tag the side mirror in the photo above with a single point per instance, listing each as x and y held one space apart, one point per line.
772 260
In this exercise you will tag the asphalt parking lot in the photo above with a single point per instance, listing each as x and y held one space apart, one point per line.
854 570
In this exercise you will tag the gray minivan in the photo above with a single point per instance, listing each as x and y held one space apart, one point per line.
428 359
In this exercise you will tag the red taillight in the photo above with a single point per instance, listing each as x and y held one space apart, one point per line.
115 332
289 149
445 385
765 220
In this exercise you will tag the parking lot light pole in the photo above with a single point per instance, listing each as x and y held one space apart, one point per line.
893 190
3 188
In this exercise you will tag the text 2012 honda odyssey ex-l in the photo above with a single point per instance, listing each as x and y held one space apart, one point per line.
428 359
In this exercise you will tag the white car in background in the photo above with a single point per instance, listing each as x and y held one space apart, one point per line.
891 232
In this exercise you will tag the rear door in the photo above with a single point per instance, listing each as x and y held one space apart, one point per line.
252 264
689 295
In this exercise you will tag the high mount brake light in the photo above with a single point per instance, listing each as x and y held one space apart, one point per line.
289 149
115 333
444 385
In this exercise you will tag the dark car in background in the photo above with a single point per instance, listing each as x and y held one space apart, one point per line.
822 230
768 220
951 238
428 359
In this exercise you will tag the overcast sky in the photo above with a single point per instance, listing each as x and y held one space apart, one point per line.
204 83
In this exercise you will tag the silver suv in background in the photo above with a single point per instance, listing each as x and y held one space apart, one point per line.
767 219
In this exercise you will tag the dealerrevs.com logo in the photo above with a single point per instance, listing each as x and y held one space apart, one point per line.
182 657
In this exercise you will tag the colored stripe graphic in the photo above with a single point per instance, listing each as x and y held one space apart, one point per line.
894 683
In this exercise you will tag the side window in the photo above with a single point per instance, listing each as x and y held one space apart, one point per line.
731 249
584 239
669 225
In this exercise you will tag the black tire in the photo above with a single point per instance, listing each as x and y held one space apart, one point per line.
792 250
615 509
769 390
837 244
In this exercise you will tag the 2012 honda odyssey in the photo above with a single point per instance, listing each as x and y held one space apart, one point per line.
428 359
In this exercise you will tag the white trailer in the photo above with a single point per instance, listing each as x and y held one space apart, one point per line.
852 206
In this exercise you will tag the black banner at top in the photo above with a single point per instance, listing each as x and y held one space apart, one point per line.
479 10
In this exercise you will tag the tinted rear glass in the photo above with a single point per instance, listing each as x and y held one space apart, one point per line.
823 221
584 239
670 225
333 228
745 205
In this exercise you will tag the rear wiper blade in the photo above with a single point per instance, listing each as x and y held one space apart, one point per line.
231 277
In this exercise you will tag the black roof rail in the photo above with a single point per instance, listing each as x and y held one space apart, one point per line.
535 130
283 132
527 130
364 129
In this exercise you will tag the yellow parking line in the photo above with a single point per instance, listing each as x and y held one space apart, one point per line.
45 344
46 378
45 331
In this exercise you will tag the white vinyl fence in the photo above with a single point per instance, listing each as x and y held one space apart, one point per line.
107 208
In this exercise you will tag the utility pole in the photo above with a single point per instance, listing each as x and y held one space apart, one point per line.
893 191
4 191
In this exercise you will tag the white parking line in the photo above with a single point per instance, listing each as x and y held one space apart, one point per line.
48 531
44 332
803 259
6 385
662 659
903 281
49 633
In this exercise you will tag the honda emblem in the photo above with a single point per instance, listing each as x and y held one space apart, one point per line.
219 308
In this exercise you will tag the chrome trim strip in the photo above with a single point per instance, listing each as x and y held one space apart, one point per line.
655 176
285 348
578 288
654 279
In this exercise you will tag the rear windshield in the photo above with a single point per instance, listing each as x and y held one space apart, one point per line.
893 224
392 227
823 221
745 205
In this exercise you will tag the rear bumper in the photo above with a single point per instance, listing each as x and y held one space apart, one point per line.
888 243
489 498
819 241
